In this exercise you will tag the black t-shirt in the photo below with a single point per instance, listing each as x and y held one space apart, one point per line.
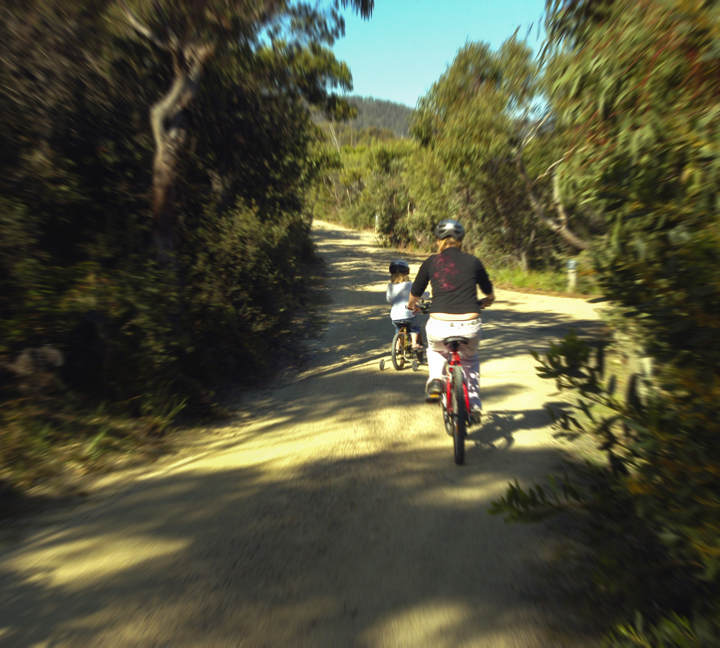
453 275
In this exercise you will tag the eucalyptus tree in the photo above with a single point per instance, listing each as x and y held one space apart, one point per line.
231 155
634 85
480 121
191 33
639 92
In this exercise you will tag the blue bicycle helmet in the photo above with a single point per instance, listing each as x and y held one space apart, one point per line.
399 266
450 228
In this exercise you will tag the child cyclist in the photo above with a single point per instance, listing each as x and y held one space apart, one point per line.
397 294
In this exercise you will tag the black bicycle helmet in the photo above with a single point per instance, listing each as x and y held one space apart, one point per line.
450 228
399 266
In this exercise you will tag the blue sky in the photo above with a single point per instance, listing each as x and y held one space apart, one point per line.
407 44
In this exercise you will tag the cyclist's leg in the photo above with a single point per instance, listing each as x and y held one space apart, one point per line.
415 333
437 353
470 360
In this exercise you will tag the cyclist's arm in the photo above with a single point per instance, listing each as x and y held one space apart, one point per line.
418 288
412 303
482 280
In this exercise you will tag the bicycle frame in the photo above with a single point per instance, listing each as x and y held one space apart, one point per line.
404 328
402 350
456 408
455 362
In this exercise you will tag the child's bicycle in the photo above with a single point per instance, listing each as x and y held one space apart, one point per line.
402 349
455 401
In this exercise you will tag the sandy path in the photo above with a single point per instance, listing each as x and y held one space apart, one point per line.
332 515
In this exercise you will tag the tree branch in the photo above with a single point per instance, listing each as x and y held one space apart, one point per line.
534 131
141 28
562 228
182 92
552 166
558 203
332 130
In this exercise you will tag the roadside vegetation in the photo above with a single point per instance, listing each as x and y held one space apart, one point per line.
469 158
156 160
632 91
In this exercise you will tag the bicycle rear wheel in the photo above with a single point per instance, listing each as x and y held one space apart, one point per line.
398 350
460 414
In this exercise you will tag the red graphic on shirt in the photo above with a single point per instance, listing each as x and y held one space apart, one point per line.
445 272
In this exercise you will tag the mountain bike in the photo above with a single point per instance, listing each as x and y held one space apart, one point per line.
455 400
402 350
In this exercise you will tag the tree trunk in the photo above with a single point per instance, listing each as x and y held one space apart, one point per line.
523 261
169 127
561 227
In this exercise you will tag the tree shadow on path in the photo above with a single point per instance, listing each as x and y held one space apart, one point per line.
235 557
332 516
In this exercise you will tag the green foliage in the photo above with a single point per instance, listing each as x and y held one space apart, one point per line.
534 504
661 486
367 181
633 88
641 97
674 631
468 124
39 437
470 130
480 132
76 246
505 275
384 195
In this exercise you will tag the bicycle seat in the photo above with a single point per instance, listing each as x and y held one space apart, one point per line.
455 340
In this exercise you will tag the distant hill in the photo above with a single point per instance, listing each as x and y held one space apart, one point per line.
381 114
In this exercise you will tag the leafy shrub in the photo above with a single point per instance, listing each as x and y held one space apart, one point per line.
79 265
636 84
652 512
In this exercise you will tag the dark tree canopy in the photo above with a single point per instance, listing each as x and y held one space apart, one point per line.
78 231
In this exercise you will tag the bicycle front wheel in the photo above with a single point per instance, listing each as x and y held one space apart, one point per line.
398 350
460 414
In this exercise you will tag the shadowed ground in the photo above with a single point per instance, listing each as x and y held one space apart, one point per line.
330 513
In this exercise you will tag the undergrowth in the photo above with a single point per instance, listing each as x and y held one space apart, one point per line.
42 441
648 514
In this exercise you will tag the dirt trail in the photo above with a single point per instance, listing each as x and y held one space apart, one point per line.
331 514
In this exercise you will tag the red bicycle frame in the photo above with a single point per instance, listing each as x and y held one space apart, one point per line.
455 362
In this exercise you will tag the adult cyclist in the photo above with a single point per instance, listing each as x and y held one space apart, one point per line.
453 275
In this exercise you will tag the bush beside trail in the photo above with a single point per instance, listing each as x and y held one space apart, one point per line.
147 316
635 84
